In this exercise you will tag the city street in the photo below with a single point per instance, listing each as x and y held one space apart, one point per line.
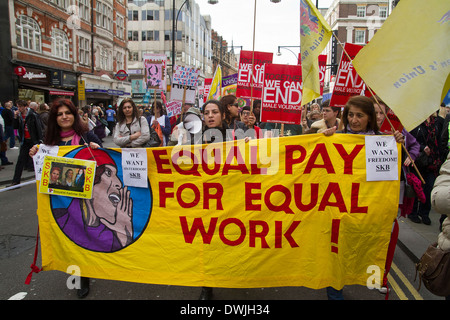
18 221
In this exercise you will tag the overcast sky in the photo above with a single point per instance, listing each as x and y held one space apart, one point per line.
277 24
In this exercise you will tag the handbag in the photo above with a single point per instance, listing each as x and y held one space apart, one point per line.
434 270
154 140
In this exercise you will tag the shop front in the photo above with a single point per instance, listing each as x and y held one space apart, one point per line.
38 85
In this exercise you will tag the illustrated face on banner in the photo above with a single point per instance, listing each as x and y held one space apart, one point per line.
115 216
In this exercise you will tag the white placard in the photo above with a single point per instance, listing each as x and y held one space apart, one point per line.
38 158
134 166
381 158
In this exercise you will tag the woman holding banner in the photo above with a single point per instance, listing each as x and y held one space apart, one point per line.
232 115
65 127
359 117
215 130
132 130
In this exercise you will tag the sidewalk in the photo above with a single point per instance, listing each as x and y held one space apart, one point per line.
413 238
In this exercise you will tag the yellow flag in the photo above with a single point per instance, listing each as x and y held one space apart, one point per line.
314 36
216 85
407 62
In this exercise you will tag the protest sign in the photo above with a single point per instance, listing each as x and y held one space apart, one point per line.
381 158
173 108
155 71
229 84
348 82
185 82
134 165
67 177
282 94
251 75
207 87
322 70
39 158
266 213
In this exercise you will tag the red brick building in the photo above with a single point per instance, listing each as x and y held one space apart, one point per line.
63 42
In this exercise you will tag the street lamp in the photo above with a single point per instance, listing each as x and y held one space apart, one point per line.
286 47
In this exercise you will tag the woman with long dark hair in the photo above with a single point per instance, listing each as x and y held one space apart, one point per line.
132 130
65 127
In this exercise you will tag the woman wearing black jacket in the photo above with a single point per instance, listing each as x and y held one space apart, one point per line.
428 135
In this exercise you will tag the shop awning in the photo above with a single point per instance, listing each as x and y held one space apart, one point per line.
52 91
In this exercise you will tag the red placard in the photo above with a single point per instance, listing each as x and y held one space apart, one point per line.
322 69
251 75
207 85
395 121
348 82
282 94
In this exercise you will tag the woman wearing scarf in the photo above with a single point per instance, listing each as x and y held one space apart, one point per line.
428 135
65 127
359 117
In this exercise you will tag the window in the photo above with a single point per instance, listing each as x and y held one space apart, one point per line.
167 35
150 35
84 51
133 36
60 44
104 59
361 11
84 12
360 36
134 56
119 61
61 3
383 12
28 34
150 15
133 15
119 26
104 15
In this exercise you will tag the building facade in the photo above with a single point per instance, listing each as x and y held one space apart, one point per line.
353 21
224 55
149 31
62 43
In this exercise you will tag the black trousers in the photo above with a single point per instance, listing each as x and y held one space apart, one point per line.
24 160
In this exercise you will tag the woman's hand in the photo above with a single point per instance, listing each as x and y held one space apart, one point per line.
135 135
251 120
34 149
399 137
407 162
330 131
93 145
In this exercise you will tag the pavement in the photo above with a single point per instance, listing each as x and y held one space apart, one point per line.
414 238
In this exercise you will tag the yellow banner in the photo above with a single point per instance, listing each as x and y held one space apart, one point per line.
407 64
293 211
314 36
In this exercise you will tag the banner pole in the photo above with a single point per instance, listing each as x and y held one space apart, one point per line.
253 60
